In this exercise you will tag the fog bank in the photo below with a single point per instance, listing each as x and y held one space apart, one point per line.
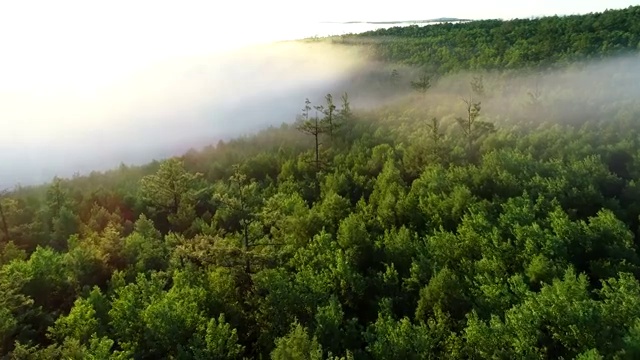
165 110
195 101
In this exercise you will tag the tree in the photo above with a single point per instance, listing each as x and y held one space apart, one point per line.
9 252
57 197
171 191
345 109
473 111
389 191
3 217
345 115
534 101
535 96
297 345
16 308
220 341
65 224
333 333
80 324
306 109
329 112
471 127
434 130
145 249
435 135
390 339
444 291
477 85
127 313
422 84
395 79
313 127
241 200
403 250
62 221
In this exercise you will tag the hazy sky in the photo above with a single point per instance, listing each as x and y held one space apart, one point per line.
77 45
68 67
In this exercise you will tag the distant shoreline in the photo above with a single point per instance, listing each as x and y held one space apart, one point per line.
398 22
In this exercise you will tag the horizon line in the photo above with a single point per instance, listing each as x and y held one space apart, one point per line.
441 19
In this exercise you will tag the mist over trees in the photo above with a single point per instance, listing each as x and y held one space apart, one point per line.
502 45
487 215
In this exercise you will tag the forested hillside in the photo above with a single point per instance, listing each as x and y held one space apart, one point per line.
495 44
485 215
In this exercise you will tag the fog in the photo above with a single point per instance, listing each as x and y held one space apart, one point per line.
76 101
592 90
165 110
190 102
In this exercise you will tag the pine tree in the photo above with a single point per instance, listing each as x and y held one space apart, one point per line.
477 85
3 217
312 127
423 84
240 197
345 110
344 114
472 128
172 192
395 79
329 112
436 136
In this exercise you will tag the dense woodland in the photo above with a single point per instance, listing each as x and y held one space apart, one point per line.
496 44
445 225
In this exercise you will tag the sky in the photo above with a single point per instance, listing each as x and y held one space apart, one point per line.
72 65
66 45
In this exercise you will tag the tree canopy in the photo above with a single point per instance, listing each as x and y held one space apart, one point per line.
438 228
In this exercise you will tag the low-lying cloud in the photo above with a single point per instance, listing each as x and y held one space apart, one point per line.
165 109
191 102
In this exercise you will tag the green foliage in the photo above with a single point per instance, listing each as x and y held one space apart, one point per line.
297 345
423 84
220 342
16 308
444 291
496 44
145 249
11 252
172 191
388 338
510 232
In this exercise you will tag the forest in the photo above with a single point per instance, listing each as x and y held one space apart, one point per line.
505 45
490 212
